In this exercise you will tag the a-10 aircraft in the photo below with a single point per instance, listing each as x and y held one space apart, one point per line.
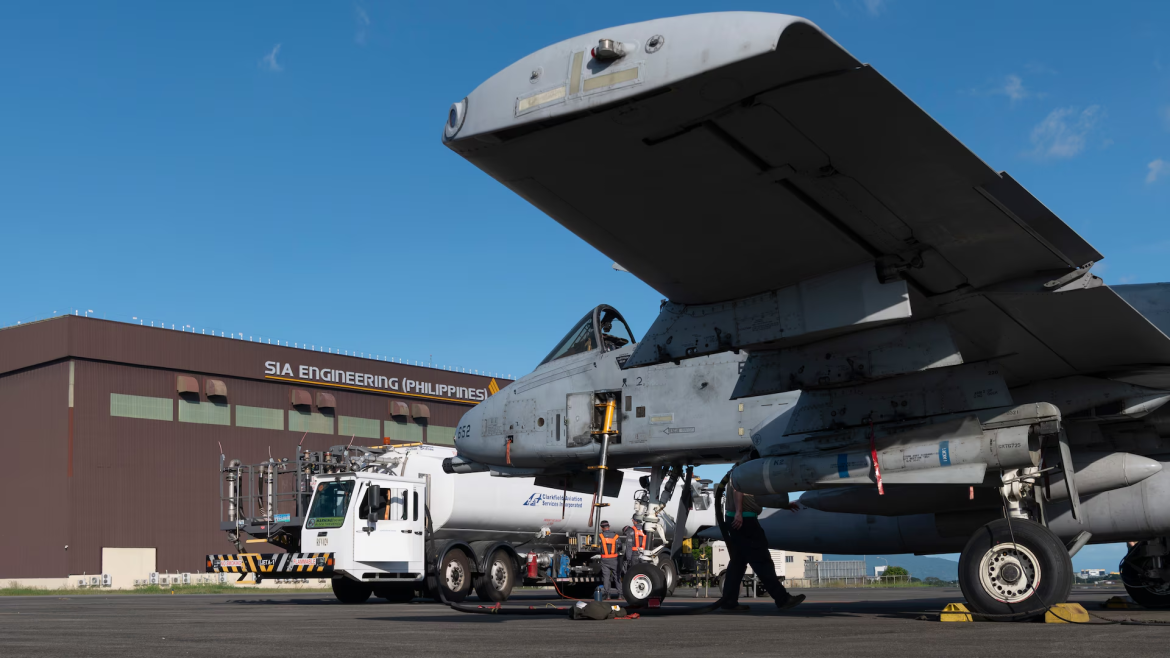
858 308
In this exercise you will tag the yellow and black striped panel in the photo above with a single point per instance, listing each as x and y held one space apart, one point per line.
271 563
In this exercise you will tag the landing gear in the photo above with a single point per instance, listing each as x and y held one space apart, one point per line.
1014 567
351 591
669 572
1145 576
641 583
496 584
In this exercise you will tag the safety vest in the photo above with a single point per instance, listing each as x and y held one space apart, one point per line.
608 546
639 539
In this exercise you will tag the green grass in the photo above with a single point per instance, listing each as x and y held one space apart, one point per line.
12 590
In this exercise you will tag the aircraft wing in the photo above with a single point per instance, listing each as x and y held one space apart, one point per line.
727 156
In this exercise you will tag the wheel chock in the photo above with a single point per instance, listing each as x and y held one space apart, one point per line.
1066 613
955 612
1120 603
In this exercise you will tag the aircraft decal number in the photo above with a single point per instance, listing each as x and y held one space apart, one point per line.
463 431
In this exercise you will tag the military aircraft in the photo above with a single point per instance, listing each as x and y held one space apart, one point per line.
857 307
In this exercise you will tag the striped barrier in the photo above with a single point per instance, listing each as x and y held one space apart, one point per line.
273 563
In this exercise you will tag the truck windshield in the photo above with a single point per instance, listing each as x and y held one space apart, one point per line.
330 504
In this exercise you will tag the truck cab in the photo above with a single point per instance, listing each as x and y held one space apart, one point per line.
375 527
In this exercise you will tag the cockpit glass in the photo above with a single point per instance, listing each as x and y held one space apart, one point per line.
615 332
580 339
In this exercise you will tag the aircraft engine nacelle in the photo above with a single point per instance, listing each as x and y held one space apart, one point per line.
957 451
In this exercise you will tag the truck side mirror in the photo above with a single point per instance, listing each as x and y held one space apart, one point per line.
374 501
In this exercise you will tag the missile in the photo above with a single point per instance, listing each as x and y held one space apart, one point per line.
957 451
1095 472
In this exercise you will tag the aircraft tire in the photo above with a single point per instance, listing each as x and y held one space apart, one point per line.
669 574
350 591
641 583
1018 569
1153 598
496 584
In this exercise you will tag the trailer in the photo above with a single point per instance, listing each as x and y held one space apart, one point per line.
387 521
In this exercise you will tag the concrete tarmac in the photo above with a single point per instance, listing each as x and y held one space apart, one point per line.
832 622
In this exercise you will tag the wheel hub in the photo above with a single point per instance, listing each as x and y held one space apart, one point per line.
640 586
499 576
1009 573
454 577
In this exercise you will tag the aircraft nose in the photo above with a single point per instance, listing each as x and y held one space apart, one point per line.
476 447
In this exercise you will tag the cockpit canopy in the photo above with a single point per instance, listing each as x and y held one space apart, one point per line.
602 327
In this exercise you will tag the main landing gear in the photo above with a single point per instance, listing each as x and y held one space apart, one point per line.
1145 572
1015 568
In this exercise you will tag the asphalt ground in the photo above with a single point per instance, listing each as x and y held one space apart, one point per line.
832 622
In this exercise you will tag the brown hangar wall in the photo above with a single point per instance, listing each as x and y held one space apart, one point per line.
134 463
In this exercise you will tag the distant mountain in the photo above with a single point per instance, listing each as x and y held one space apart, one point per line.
918 566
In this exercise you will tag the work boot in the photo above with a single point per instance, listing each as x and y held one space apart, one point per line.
734 607
790 602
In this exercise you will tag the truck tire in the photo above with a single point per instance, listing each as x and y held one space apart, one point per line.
1017 569
350 591
496 584
396 593
641 583
454 576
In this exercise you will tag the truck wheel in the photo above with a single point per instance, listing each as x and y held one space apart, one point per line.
397 593
350 591
1009 570
496 584
641 583
455 576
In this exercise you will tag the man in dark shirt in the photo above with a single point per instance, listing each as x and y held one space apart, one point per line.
749 545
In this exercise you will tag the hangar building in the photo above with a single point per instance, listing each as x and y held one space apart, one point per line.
111 434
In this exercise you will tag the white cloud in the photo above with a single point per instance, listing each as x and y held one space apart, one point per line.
1011 86
874 7
1014 89
269 63
1158 168
363 24
1063 132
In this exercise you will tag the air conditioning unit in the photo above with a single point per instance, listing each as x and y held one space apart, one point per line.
94 581
107 581
81 582
222 577
153 578
137 582
186 579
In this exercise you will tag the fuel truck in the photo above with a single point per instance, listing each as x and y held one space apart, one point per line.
389 522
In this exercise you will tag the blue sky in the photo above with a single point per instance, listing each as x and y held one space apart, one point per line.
275 168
